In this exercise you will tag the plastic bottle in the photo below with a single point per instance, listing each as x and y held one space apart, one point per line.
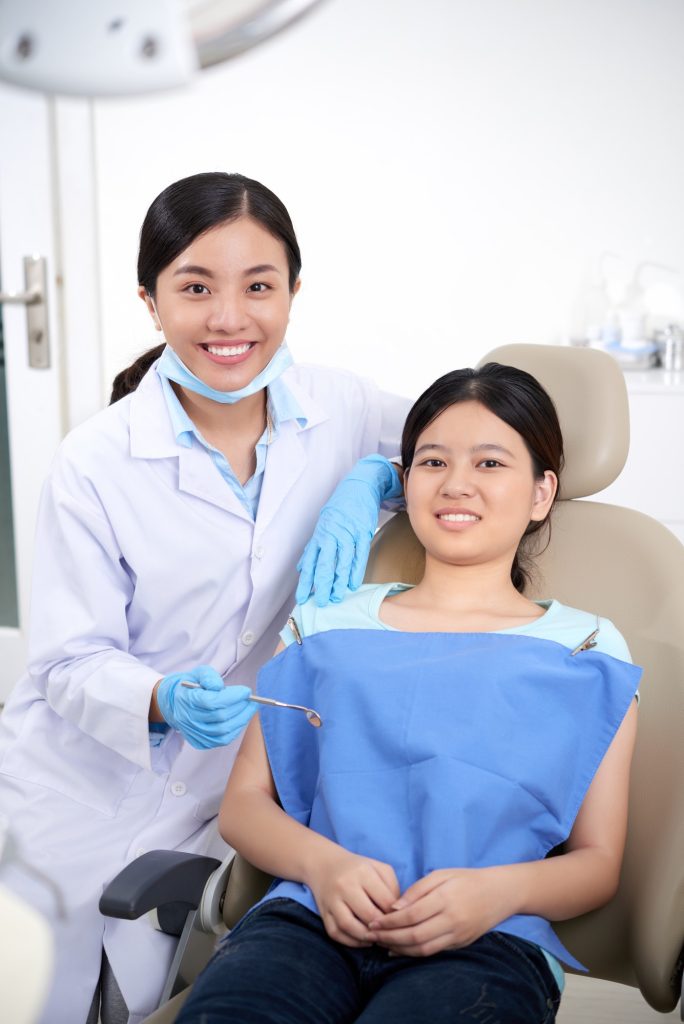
632 313
636 307
595 320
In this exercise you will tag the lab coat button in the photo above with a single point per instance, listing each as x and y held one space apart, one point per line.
248 638
178 788
259 551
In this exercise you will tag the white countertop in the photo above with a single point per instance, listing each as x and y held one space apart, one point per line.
660 382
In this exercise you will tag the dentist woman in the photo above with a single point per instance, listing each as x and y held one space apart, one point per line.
167 545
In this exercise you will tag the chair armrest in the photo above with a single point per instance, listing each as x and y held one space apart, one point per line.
157 878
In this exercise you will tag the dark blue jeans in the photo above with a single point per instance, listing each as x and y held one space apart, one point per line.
279 966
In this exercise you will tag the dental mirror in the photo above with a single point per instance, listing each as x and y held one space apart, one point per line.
312 717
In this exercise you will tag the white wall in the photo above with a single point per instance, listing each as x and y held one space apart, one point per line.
454 168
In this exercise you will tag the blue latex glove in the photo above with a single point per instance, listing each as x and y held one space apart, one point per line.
210 716
335 557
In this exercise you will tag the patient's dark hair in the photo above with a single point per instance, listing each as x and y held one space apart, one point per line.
183 212
516 398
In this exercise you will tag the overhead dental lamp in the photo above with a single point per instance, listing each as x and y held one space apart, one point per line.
125 47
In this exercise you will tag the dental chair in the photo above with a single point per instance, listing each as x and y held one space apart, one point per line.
603 558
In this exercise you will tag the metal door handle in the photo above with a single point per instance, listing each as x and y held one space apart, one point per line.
29 298
34 297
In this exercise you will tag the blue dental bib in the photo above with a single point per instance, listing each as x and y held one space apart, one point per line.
441 750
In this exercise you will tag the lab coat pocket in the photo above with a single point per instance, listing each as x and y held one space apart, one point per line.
205 772
52 753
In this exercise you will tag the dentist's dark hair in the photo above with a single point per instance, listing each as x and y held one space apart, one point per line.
183 212
518 399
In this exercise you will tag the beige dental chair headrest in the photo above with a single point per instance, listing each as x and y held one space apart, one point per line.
590 396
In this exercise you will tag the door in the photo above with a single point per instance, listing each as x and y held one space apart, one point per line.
30 405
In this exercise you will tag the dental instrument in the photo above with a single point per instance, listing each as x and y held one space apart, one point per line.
311 716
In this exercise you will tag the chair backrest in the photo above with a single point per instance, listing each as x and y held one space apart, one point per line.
629 568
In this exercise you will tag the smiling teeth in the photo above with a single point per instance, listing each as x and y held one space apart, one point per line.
459 517
228 350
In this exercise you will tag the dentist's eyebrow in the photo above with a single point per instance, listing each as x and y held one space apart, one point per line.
261 268
193 268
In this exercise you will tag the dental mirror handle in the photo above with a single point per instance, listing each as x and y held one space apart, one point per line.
313 716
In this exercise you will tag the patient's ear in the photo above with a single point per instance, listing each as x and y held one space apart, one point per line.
545 488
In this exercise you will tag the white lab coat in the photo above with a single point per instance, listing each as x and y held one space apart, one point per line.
146 563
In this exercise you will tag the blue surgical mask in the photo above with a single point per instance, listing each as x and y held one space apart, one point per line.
171 367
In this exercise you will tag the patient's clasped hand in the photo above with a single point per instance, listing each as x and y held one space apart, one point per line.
468 732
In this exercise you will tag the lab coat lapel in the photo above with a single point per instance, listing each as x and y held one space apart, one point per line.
285 463
197 475
152 438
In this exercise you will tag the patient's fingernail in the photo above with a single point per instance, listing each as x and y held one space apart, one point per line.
399 905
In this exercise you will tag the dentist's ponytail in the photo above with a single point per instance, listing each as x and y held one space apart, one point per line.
127 380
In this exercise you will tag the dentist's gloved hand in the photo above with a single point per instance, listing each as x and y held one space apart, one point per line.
335 557
210 716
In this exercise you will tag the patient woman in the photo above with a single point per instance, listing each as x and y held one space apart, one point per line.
466 732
